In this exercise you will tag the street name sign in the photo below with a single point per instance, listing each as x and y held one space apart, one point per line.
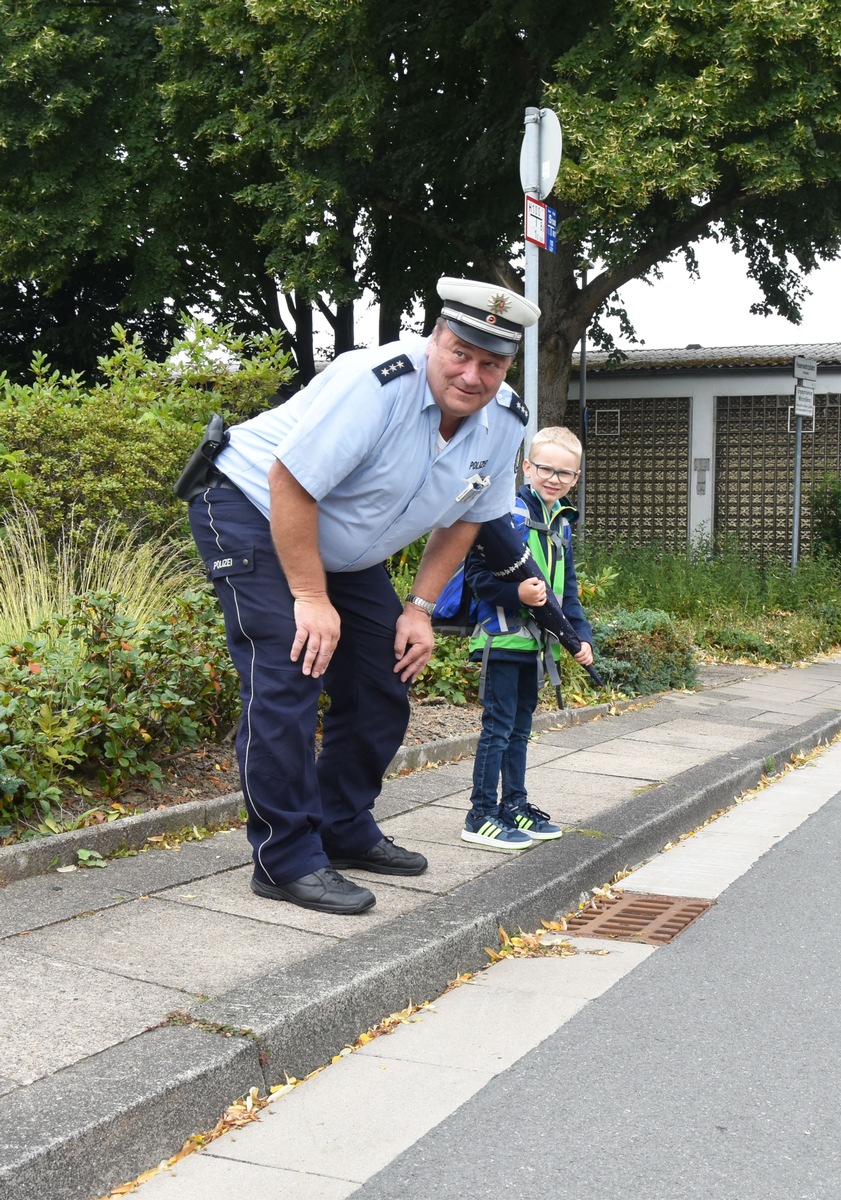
805 368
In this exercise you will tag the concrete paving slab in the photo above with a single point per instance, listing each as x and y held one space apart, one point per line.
579 799
583 976
796 709
506 1010
598 733
608 764
670 758
305 1131
80 1011
46 899
540 752
428 785
205 1177
175 946
767 720
708 736
719 712
790 683
450 863
56 896
434 823
458 800
476 1029
231 893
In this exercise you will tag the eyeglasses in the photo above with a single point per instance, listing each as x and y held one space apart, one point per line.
545 473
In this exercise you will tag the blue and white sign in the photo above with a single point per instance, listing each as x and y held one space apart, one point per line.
551 229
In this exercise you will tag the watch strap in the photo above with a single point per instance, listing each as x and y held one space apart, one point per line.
428 606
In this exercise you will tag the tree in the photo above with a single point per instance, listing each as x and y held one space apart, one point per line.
101 220
684 120
320 146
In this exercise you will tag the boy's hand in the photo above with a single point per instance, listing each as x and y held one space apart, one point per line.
584 655
532 592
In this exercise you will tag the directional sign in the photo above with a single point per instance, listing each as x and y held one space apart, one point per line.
535 221
804 402
805 368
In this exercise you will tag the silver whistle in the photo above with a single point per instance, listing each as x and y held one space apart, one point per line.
476 483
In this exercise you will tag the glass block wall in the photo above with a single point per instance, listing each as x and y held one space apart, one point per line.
638 470
754 468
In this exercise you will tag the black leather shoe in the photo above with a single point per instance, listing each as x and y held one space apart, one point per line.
324 890
385 859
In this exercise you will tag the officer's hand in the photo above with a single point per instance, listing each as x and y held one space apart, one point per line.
584 655
317 628
532 592
414 642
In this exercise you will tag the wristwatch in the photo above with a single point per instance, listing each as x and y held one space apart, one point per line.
428 606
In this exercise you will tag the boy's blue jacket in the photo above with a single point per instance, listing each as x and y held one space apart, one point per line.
549 537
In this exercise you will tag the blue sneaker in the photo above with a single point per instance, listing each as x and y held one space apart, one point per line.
535 823
493 832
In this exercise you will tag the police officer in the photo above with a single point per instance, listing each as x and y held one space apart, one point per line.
305 503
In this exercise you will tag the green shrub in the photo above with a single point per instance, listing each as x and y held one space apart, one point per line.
112 452
643 652
449 674
825 500
775 637
106 702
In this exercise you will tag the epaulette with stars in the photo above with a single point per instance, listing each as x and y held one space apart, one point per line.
395 367
514 404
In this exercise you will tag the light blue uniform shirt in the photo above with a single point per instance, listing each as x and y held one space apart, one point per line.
363 443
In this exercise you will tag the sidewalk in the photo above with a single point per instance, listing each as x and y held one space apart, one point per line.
101 1081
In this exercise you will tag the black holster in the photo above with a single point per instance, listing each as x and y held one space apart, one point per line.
200 469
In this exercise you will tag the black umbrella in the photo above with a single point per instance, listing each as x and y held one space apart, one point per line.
501 545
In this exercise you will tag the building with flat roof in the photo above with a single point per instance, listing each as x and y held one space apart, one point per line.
700 442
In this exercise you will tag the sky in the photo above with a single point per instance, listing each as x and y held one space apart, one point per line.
715 309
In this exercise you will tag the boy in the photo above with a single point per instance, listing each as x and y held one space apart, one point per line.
511 678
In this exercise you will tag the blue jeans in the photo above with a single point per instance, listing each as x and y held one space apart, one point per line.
509 704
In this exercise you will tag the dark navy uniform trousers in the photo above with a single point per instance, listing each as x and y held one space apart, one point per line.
301 811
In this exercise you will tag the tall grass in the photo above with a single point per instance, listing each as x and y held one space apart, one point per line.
711 578
36 583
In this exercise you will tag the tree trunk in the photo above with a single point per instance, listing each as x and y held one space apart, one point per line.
304 353
343 327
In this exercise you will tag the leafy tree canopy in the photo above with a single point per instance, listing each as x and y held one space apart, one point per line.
220 151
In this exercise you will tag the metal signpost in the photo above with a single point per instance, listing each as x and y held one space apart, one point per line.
540 157
805 374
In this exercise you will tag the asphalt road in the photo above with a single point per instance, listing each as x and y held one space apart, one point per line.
712 1069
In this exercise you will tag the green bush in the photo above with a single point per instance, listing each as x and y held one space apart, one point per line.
825 500
775 637
112 452
106 702
643 652
449 674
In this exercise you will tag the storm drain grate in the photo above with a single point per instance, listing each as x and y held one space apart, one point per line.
652 919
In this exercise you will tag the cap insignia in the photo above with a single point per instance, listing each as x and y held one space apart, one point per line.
499 304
